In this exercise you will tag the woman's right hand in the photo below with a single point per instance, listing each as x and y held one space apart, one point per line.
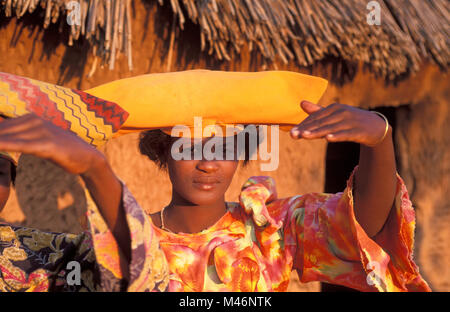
30 134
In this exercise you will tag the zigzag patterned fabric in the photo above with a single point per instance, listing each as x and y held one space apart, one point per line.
93 119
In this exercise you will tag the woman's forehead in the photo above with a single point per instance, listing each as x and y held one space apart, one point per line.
216 139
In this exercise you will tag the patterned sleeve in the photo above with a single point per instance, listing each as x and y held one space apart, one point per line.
318 235
148 268
34 260
331 246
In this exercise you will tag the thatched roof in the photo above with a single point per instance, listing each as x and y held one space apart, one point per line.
301 31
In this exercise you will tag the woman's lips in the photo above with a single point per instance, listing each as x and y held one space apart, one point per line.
205 184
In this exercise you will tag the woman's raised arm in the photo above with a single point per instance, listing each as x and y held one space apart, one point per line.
376 181
33 135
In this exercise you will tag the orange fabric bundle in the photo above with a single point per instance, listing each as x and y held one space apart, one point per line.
162 101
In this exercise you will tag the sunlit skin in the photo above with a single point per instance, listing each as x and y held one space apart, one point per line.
192 209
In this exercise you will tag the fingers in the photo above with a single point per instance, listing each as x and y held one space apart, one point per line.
318 118
330 120
343 136
26 146
33 135
18 124
335 123
310 107
323 131
324 111
318 122
25 134
334 133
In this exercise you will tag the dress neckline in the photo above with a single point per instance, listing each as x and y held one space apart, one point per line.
221 223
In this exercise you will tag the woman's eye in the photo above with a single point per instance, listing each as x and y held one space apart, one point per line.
224 149
194 148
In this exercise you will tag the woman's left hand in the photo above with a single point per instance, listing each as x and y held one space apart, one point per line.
339 123
375 180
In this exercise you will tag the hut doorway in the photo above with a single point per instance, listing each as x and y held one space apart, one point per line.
341 158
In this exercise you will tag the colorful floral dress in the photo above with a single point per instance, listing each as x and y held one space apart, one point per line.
261 239
253 247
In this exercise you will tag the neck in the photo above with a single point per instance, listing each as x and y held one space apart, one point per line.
181 216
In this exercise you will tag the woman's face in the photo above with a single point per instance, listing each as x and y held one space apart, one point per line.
201 182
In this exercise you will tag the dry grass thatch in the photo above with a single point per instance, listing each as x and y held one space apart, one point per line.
301 31
105 23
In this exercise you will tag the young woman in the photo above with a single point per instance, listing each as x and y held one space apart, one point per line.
360 238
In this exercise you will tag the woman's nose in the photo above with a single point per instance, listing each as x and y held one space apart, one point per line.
208 166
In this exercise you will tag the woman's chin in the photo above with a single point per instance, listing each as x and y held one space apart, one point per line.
205 197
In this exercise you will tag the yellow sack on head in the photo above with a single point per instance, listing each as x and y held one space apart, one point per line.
162 101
